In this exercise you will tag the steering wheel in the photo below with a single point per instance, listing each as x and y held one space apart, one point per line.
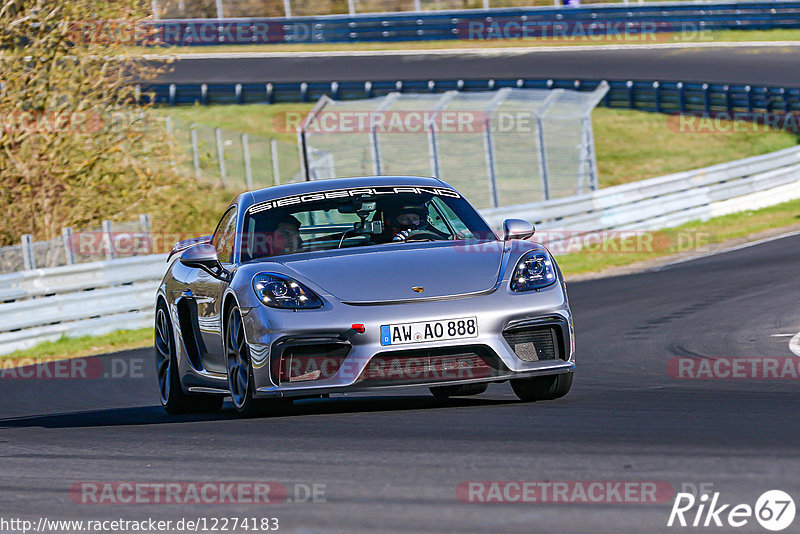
422 235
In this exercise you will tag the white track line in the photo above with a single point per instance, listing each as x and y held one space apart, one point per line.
508 51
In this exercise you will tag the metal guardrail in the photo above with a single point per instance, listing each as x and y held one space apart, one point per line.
658 96
670 200
100 297
462 24
84 246
77 300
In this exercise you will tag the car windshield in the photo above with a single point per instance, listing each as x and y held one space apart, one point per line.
358 218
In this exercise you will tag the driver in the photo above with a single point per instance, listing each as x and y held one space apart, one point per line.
282 235
402 220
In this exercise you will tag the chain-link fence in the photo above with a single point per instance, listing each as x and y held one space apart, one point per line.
508 147
235 160
188 9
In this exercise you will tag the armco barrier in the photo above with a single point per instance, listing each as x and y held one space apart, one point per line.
500 22
76 300
658 96
99 297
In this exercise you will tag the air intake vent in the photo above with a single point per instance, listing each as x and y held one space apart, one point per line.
533 344
434 365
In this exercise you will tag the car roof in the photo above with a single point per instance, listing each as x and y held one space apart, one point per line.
280 191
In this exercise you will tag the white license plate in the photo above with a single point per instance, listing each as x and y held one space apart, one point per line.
405 333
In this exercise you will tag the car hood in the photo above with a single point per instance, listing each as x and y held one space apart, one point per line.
390 273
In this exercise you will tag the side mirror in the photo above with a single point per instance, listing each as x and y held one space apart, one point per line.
517 229
204 256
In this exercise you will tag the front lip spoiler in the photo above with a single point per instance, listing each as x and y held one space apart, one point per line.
272 391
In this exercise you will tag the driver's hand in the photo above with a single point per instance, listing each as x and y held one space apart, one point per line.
402 236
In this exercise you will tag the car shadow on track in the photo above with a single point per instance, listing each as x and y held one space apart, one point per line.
155 415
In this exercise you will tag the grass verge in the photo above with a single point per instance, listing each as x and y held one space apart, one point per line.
80 347
724 36
692 238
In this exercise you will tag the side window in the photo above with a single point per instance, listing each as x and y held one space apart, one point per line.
225 236
460 228
435 219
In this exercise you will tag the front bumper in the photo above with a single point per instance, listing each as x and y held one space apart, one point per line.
273 334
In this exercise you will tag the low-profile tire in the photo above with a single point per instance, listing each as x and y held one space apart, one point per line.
542 387
173 398
240 373
464 390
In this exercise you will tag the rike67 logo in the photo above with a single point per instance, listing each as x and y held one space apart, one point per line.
774 510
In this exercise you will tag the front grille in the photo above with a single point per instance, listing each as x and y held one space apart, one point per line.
430 365
297 361
533 344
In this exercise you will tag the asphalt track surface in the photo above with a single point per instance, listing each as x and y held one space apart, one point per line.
392 462
765 65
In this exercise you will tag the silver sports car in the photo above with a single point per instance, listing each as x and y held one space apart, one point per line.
333 286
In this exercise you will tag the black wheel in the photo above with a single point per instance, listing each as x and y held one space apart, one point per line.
240 372
465 390
173 399
542 387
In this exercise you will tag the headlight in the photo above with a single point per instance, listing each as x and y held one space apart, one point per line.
534 271
279 291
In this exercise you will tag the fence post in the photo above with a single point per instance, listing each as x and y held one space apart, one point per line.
220 11
657 96
351 7
107 238
485 4
144 224
542 158
195 151
417 5
488 143
376 151
682 97
749 92
287 8
302 147
248 171
28 259
377 162
433 147
539 113
631 95
491 169
223 175
154 4
728 100
433 150
276 170
69 254
707 98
